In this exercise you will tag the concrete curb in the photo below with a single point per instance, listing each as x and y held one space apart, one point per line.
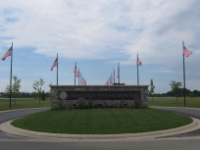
8 128
174 107
22 109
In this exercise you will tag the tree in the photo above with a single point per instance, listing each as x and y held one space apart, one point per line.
151 91
196 93
7 90
16 86
37 86
175 87
43 95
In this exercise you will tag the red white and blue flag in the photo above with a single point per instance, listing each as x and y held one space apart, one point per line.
75 70
186 52
84 81
110 80
107 83
113 75
54 64
78 74
139 62
8 53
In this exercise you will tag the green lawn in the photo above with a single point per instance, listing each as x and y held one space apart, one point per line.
171 102
22 103
102 121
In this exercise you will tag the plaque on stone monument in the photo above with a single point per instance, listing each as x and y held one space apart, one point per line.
100 95
63 95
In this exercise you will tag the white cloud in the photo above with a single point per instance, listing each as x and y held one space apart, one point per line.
107 28
94 29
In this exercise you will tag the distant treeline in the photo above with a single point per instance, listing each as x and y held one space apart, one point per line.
23 95
180 92
189 93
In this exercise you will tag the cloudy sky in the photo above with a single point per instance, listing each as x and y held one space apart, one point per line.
97 35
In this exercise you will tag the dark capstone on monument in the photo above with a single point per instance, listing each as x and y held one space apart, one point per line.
99 95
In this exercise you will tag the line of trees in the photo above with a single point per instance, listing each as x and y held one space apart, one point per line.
37 86
179 93
176 91
23 95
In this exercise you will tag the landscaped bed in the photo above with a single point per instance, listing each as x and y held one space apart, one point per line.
102 121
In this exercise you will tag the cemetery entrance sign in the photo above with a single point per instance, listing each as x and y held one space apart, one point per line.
99 95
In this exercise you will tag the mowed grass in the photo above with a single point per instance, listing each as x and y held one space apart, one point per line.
102 121
23 103
171 102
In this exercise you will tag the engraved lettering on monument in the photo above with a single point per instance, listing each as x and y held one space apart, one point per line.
100 95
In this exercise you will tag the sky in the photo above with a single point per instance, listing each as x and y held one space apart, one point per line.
97 35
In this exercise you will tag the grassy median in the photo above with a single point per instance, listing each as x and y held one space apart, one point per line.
102 121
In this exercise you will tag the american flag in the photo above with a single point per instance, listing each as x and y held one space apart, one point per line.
186 52
107 83
84 81
75 70
114 75
8 53
110 80
54 64
139 62
78 74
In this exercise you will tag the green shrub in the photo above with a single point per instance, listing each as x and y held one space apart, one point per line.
105 104
53 108
60 106
69 106
43 95
121 104
81 103
90 104
131 105
115 105
137 104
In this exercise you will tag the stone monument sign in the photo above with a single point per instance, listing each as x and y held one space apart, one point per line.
99 95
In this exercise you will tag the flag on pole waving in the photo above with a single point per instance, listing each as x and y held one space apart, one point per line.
84 81
8 53
107 83
78 74
54 64
139 62
110 80
186 52
75 70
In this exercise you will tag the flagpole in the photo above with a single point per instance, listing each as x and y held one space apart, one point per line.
184 76
75 76
114 74
57 70
11 76
137 71
118 73
78 78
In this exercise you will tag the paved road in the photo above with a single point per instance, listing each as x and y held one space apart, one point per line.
122 145
195 113
10 115
176 142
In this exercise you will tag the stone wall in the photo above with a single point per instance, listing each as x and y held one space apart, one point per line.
69 103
